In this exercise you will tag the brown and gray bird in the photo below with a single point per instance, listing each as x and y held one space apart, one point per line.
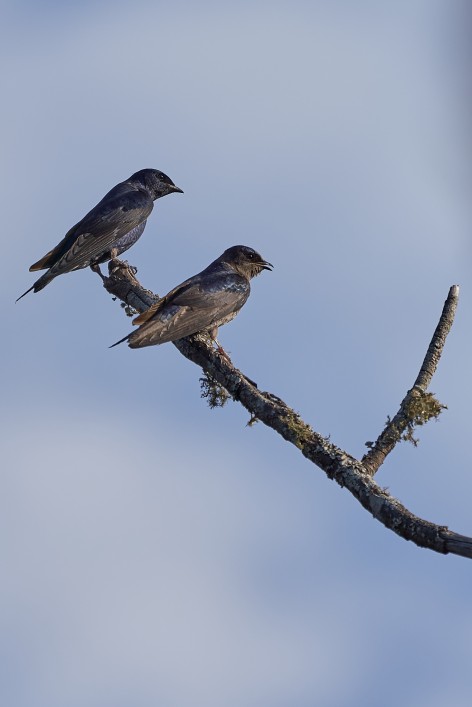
110 228
202 303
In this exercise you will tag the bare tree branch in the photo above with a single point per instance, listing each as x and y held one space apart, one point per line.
435 349
347 471
418 406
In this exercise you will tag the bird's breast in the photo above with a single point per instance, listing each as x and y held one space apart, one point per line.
129 239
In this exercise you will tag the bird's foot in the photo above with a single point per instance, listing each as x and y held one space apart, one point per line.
96 268
220 350
114 264
125 264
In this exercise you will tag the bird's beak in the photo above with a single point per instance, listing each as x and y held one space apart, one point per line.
178 189
265 265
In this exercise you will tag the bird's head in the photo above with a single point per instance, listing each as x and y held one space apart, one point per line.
155 182
246 261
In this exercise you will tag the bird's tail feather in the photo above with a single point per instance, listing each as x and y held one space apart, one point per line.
25 293
39 284
125 338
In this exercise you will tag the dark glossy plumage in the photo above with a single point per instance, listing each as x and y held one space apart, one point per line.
203 302
110 228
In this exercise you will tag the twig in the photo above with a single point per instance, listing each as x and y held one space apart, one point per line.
418 406
435 349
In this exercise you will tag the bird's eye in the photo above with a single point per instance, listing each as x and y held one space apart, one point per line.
250 255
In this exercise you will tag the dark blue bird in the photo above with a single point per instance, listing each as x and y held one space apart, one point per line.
202 303
110 228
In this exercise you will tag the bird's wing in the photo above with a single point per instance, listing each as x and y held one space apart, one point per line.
191 309
158 306
96 233
150 312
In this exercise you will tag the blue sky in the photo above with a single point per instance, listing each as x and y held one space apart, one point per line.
154 551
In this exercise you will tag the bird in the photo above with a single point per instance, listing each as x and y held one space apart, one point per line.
202 303
110 228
